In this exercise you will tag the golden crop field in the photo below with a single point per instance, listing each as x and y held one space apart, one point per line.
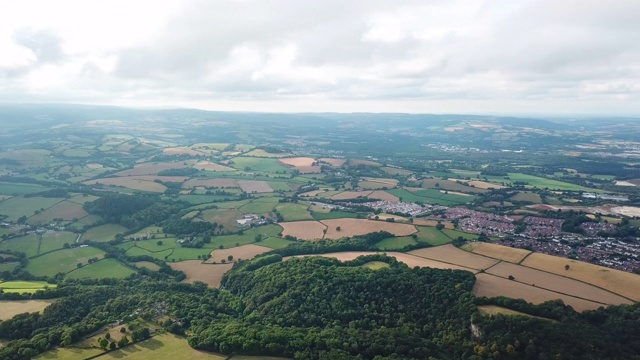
556 283
298 161
10 308
616 281
492 286
210 274
453 255
304 230
353 227
495 251
244 252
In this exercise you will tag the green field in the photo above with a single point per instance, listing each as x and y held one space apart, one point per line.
104 232
8 188
251 164
335 215
61 261
541 183
279 186
27 244
454 234
8 266
248 237
395 243
55 240
24 286
294 212
275 242
69 353
260 205
432 236
431 196
106 268
16 207
376 265
160 347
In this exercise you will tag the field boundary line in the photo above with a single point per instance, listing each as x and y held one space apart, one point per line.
524 258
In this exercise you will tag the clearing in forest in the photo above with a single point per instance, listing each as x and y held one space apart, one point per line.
11 308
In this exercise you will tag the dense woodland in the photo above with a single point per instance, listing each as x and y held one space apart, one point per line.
318 308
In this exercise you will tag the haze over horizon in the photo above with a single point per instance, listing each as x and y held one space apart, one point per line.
484 57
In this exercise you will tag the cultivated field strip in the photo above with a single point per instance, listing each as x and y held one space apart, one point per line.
616 281
492 286
556 283
210 274
453 255
512 255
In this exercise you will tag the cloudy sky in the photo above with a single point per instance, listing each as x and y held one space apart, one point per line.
442 56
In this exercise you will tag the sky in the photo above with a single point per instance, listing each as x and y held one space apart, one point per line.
552 57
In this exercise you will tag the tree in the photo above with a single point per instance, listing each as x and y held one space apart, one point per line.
112 346
230 257
439 226
567 267
123 329
103 343
159 243
107 336
338 228
123 342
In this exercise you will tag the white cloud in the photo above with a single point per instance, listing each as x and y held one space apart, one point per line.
417 56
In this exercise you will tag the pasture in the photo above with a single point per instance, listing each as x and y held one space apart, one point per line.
395 243
254 186
432 236
544 183
339 228
434 197
616 281
259 206
377 183
21 287
54 240
154 168
15 189
62 261
259 165
526 196
105 268
410 260
103 233
11 308
376 265
65 210
16 207
396 171
211 166
275 242
512 255
293 211
493 310
440 184
339 214
220 183
356 162
347 195
130 183
28 244
210 274
148 265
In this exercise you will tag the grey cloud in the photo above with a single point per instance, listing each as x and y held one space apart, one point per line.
45 45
